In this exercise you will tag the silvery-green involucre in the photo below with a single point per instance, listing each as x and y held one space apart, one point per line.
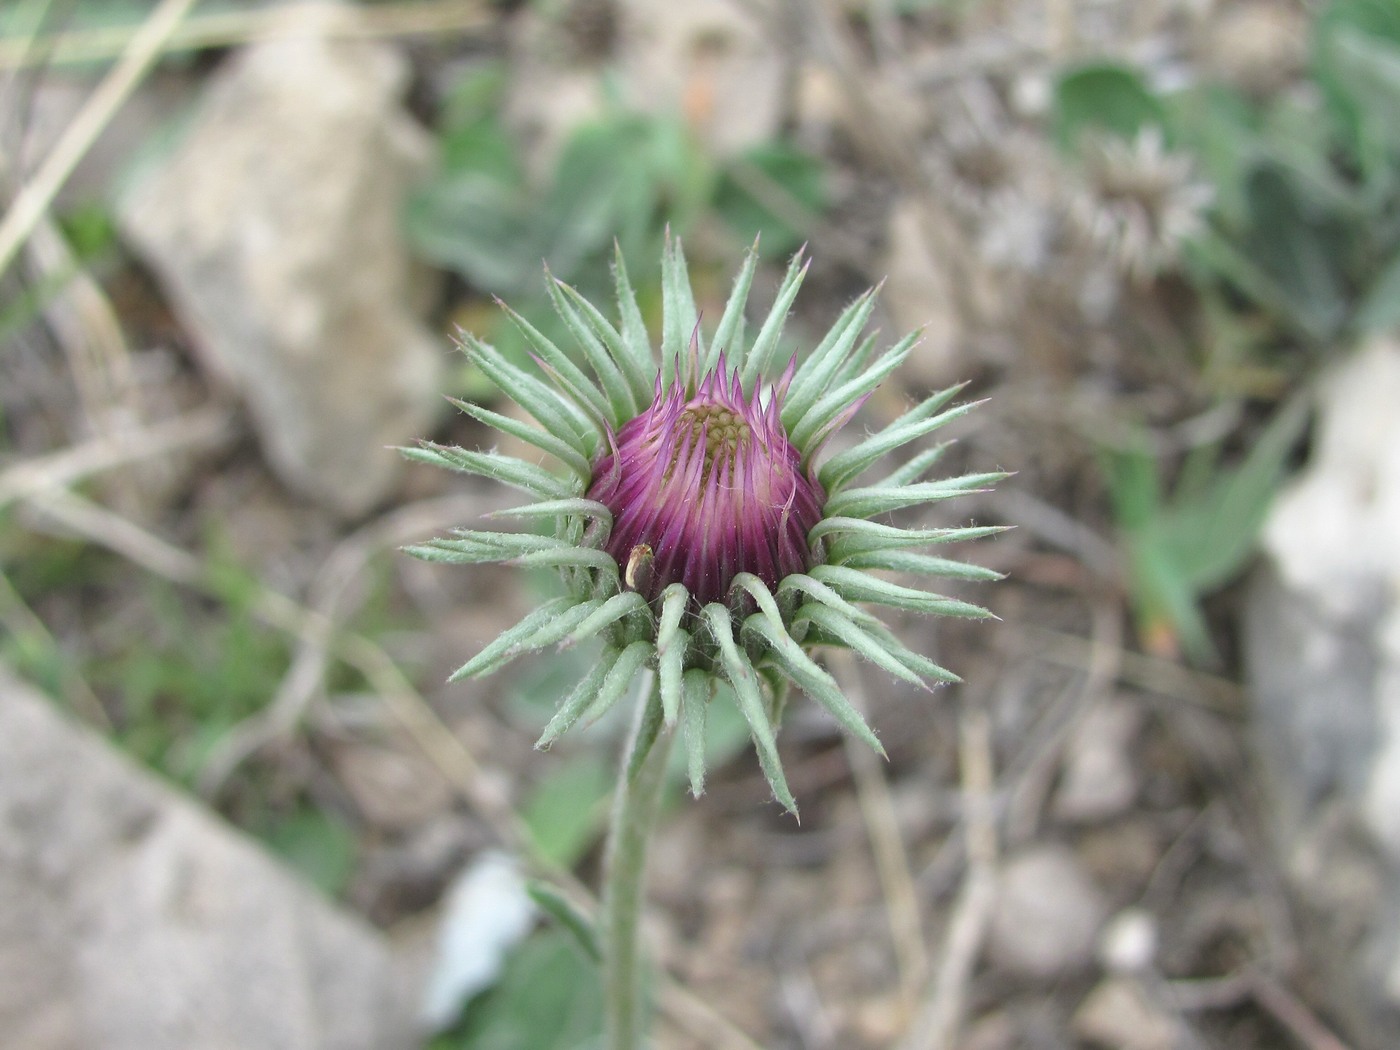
692 526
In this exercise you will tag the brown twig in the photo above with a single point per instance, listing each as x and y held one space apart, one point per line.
939 1020
203 428
1293 1014
886 842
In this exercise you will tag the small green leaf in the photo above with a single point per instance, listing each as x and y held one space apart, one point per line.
759 359
634 330
546 625
695 702
548 998
670 662
924 564
678 314
566 810
750 700
815 374
850 633
918 421
543 440
571 919
812 680
811 429
622 400
506 469
560 415
619 679
729 336
1104 96
858 586
612 610
583 694
882 499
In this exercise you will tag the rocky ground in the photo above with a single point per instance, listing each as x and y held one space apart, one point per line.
1091 841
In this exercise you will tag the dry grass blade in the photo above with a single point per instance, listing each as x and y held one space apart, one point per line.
940 1018
35 196
338 575
19 619
231 28
203 428
886 842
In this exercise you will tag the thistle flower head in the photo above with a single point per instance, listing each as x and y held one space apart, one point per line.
705 485
691 526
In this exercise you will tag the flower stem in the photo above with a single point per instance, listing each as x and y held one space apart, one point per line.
635 806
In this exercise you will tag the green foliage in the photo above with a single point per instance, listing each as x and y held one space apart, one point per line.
1305 226
773 191
92 239
1181 545
566 810
181 692
620 180
548 998
1106 97
316 843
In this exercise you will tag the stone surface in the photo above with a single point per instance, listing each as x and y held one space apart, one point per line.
1129 941
1100 778
1047 916
710 62
1119 1015
1322 647
918 294
130 919
274 228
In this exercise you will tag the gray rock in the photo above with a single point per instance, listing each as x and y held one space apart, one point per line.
130 919
274 227
1100 776
1047 916
1322 646
1119 1015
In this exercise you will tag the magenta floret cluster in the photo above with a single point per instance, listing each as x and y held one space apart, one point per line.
704 485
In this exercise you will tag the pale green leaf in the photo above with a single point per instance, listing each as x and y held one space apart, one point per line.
812 679
744 681
729 336
500 650
857 586
578 699
760 357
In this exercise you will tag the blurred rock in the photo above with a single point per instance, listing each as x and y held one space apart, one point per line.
395 789
918 294
1047 915
1259 46
1100 777
707 61
1129 941
1322 648
1119 1015
274 227
132 920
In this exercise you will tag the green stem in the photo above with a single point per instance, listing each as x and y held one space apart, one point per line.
624 880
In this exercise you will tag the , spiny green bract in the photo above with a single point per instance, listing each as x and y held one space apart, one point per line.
692 529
